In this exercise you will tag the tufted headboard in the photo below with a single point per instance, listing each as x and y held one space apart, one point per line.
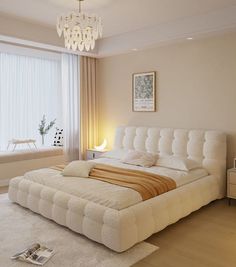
206 147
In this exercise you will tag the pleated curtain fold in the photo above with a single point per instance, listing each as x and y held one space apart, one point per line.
88 104
79 105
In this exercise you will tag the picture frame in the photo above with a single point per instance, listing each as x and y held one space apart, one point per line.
144 92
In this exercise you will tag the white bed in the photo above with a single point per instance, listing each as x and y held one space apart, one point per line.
116 216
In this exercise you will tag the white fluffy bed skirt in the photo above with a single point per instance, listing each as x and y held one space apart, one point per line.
118 230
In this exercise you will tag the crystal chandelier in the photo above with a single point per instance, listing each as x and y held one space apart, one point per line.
80 30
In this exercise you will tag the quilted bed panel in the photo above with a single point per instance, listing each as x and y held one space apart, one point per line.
118 230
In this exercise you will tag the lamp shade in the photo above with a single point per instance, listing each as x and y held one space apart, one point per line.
102 146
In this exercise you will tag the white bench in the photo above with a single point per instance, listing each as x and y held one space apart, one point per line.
16 142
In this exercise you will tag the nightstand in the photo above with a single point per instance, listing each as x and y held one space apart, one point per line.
94 154
231 184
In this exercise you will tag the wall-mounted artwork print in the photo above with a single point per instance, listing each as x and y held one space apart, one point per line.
144 91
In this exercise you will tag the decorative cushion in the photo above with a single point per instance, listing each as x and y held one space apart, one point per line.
139 158
78 168
177 163
58 138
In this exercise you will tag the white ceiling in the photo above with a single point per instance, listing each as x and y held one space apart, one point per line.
129 16
119 16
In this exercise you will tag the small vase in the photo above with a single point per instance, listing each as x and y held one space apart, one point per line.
43 135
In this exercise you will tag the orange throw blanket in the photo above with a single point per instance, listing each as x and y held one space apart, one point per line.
148 185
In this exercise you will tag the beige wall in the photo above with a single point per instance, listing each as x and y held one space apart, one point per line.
10 26
196 87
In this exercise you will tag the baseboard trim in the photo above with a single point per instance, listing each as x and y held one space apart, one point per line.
4 182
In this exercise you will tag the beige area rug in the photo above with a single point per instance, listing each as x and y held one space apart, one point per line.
19 228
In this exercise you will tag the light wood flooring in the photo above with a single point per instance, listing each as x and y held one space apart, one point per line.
3 189
206 238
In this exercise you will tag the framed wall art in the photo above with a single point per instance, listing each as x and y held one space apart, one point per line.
144 91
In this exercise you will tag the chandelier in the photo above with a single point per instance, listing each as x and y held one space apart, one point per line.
80 30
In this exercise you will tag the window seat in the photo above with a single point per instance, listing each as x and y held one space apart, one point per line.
19 155
19 162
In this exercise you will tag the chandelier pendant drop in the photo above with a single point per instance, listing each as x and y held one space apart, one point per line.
80 30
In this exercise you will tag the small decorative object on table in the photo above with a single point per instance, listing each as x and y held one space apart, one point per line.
97 151
58 138
231 184
43 129
101 147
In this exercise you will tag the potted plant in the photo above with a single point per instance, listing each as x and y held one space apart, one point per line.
43 129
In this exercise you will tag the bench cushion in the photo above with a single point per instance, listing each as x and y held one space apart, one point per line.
11 156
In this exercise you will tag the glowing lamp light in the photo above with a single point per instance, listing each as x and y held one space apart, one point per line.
102 146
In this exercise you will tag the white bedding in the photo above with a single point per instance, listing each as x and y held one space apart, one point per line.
106 194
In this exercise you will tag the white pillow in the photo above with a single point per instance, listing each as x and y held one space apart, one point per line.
78 168
177 163
138 158
114 154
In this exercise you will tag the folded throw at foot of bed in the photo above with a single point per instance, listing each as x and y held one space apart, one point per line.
148 185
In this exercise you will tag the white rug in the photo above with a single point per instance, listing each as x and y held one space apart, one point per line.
20 228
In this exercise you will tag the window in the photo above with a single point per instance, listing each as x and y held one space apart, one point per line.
30 87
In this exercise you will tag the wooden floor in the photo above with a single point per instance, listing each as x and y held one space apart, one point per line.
3 189
206 238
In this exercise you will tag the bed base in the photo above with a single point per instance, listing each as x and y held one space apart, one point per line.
118 230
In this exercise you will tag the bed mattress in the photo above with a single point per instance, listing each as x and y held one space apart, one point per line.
106 194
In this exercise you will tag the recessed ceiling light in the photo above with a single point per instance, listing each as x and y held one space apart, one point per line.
190 38
135 49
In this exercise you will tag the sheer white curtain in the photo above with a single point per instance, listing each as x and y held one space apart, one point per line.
71 105
29 88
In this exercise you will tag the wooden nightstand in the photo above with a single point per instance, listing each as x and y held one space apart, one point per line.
94 154
231 184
